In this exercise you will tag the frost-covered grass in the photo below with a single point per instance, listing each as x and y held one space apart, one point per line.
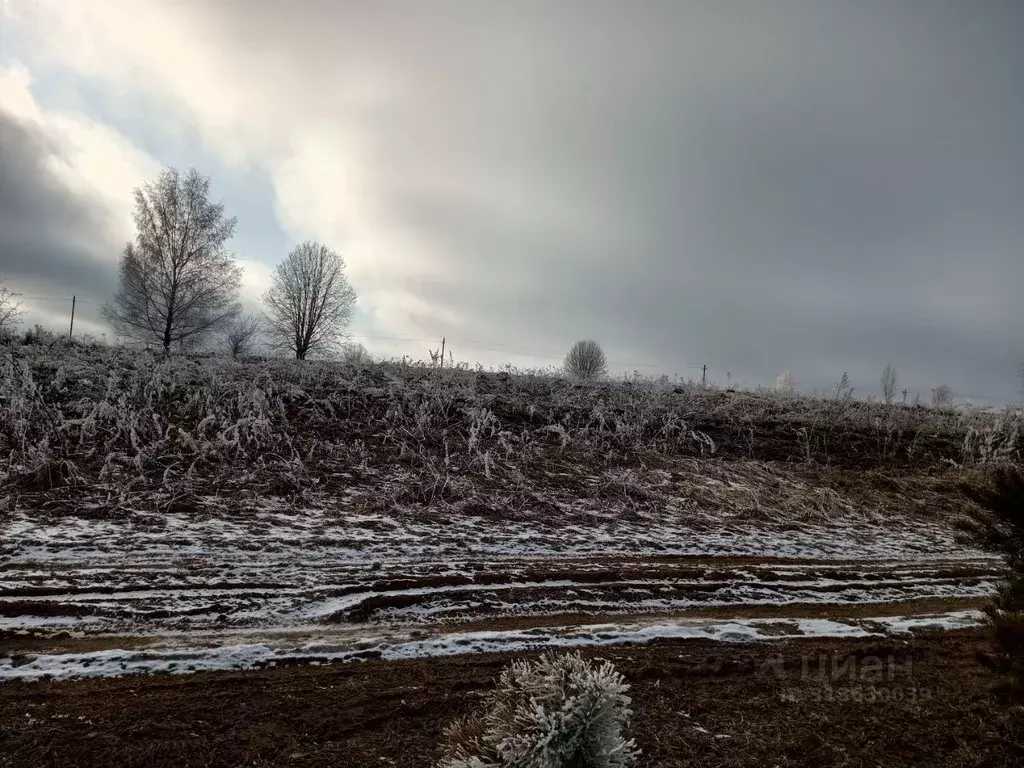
110 415
125 421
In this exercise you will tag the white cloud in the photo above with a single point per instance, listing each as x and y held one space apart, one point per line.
255 281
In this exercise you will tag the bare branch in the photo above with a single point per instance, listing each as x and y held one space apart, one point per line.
10 311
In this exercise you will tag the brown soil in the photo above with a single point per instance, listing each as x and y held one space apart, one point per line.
938 710
19 642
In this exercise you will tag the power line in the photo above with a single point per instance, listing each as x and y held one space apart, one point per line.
392 338
55 298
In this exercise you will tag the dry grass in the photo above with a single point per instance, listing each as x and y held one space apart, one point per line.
116 423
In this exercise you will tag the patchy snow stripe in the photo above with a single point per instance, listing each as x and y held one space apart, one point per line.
112 663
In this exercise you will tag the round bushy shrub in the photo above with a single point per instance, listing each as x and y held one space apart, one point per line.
556 712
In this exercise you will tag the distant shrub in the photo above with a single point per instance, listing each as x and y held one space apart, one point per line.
784 383
86 340
556 712
37 335
942 396
586 360
888 384
240 334
355 354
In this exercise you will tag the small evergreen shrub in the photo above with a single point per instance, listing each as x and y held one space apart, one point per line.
557 712
1002 528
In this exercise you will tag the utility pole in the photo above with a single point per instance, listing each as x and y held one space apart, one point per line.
71 330
704 377
442 351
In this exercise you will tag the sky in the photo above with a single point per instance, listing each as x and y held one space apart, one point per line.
757 186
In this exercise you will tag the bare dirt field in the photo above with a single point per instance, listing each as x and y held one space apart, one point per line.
695 702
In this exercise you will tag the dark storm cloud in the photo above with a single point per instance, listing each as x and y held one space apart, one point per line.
806 186
49 236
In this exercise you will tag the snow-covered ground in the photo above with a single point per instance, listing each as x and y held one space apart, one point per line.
190 592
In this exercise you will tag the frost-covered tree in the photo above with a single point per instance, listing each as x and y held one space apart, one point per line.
556 712
240 335
784 383
178 281
888 383
310 301
355 354
942 396
586 360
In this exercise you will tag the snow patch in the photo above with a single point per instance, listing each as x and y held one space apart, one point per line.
111 663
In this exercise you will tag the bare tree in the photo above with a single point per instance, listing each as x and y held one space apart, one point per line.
178 282
888 382
10 312
310 301
586 360
240 334
355 354
784 383
942 396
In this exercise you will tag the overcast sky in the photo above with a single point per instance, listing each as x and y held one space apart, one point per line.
759 186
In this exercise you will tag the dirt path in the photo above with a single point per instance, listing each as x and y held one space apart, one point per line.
83 620
188 592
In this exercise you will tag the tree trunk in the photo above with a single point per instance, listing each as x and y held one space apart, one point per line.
169 325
